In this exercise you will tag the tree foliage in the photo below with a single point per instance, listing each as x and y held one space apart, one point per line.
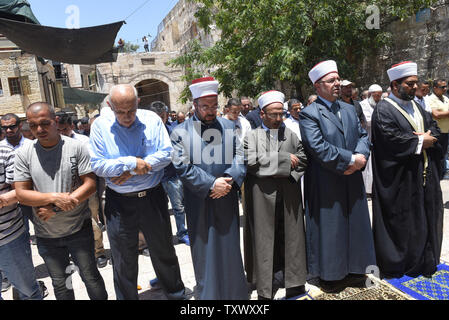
129 47
263 41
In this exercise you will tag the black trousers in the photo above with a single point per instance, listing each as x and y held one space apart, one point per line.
125 217
444 141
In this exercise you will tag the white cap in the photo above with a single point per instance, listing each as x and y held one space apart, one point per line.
270 97
345 83
322 69
402 70
204 87
375 88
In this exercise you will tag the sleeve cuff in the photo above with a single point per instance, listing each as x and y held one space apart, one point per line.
129 164
352 160
420 144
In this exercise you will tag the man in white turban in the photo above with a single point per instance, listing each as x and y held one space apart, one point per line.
210 163
407 199
374 96
275 250
338 232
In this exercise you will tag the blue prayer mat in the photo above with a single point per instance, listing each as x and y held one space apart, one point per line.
422 288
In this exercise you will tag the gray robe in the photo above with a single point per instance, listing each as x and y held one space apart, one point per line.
213 224
274 221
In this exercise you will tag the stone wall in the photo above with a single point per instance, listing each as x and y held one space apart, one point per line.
423 38
134 68
80 79
20 66
179 27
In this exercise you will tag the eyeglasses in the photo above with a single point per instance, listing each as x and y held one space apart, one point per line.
12 127
442 87
274 115
209 108
331 81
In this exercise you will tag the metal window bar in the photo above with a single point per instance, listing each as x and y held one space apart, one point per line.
14 86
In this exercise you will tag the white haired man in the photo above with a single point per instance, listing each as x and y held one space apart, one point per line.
130 148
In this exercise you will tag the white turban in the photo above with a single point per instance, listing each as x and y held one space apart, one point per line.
375 88
270 97
322 69
402 70
204 87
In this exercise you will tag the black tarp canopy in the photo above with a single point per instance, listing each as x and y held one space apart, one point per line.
78 96
88 46
19 10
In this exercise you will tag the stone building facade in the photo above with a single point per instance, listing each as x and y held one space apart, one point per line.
179 27
149 73
423 38
25 79
82 77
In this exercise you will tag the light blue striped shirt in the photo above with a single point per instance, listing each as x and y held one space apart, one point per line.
114 149
327 102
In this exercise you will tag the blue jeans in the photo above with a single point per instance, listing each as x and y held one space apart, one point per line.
80 246
175 192
17 265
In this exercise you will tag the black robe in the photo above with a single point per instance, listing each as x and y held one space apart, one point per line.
407 216
359 111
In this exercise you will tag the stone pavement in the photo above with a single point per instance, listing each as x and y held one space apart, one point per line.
146 272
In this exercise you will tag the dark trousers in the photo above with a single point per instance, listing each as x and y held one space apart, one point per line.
101 186
27 213
444 141
80 246
126 216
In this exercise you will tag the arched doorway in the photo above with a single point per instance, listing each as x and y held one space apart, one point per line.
151 90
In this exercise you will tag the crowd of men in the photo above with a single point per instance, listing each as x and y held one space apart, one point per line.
303 174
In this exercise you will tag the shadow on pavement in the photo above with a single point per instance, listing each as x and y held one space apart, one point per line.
158 294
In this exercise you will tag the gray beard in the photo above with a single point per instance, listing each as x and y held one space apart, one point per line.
372 102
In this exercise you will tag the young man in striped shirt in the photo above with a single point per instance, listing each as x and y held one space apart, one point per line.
15 252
